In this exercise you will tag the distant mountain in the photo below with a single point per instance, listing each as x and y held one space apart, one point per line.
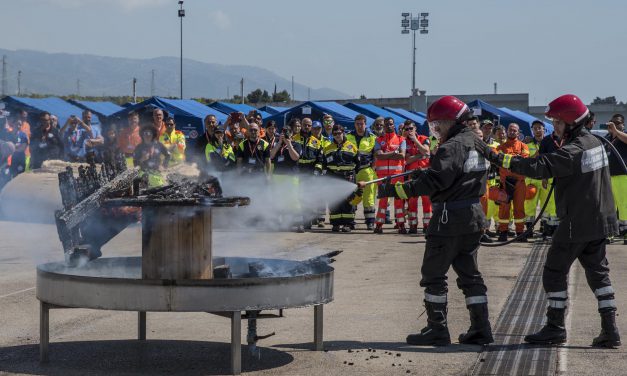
64 74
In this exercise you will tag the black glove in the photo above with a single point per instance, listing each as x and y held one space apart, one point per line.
386 189
488 153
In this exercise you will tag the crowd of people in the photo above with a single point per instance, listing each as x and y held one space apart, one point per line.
245 145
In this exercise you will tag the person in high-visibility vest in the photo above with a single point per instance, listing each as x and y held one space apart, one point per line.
616 134
365 141
541 188
339 160
417 158
174 141
219 155
151 157
390 160
514 184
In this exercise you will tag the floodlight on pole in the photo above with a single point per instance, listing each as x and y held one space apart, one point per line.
181 14
420 23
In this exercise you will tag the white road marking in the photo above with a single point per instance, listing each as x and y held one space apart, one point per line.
16 292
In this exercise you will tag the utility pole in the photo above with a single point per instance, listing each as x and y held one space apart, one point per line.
181 15
228 94
78 87
308 93
19 83
152 83
4 75
241 85
495 91
293 88
134 90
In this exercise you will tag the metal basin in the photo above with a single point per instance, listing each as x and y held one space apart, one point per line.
116 284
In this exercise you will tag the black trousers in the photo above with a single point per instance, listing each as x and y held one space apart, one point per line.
561 256
460 252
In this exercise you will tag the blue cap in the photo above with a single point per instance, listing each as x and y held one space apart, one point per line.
316 124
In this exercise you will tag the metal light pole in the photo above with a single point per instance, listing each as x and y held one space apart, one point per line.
414 23
181 15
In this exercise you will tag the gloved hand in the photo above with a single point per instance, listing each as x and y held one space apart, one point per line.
386 189
488 153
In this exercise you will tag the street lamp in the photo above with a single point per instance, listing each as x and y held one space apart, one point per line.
421 23
181 15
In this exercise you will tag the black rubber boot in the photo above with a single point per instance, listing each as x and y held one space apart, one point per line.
502 236
529 228
609 336
553 332
436 332
480 332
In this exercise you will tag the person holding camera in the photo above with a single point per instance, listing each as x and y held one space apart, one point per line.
74 134
219 155
46 142
236 127
174 141
284 156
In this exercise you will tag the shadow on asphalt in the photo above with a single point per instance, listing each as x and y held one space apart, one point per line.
152 357
396 347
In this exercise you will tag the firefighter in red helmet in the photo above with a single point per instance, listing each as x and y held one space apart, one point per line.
586 211
455 182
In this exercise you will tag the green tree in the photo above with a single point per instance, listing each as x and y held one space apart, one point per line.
606 100
255 96
281 96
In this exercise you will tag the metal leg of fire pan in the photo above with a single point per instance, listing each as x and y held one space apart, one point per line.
141 326
236 343
44 331
318 320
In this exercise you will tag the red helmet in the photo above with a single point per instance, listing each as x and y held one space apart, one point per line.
447 108
567 108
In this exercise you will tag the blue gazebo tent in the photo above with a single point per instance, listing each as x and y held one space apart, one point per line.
34 106
273 110
503 117
374 112
188 114
316 110
548 127
227 108
100 109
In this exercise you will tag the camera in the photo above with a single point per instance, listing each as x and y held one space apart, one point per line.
286 132
236 117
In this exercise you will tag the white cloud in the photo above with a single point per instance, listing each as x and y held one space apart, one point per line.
220 19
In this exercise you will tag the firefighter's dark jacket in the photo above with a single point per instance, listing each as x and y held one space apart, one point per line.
457 179
583 193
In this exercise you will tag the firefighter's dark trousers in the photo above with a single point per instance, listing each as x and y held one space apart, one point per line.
591 255
460 252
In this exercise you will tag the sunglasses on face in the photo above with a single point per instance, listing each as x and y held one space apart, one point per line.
337 133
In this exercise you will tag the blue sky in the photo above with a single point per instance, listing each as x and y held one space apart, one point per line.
545 48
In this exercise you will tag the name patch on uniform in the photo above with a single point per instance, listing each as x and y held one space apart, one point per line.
593 159
475 162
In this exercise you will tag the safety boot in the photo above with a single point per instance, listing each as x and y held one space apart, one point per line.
369 226
436 332
522 237
402 229
378 229
335 228
609 336
553 332
502 236
480 332
413 229
529 227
